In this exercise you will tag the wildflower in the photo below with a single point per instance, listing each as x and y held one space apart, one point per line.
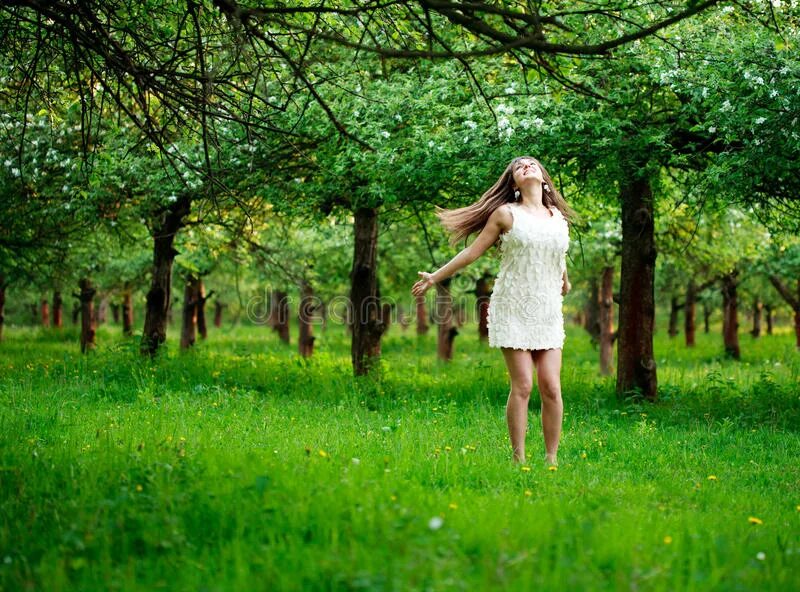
385 134
393 498
139 487
712 477
761 556
552 468
447 449
453 505
526 469
435 523
528 493
323 454
754 520
667 540
760 120
583 455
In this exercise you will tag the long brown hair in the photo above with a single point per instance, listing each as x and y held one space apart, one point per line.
465 221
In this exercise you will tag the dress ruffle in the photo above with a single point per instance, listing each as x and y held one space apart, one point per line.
525 306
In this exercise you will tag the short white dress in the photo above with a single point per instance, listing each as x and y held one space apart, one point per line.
525 306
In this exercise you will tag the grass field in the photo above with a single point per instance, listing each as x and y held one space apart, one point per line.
239 466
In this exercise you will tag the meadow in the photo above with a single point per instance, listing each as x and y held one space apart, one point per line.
240 466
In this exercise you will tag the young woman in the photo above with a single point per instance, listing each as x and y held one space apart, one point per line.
528 215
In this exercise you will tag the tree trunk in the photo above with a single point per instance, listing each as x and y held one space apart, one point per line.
101 312
690 313
674 311
76 313
422 315
218 313
730 322
88 327
445 321
160 294
706 317
757 308
483 294
606 319
768 309
591 310
189 317
115 312
367 325
45 308
305 318
279 314
127 313
794 302
636 367
402 318
58 310
202 298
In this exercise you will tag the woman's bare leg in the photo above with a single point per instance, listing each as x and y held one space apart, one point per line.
520 371
548 373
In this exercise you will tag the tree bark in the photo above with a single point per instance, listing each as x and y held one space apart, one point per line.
758 306
690 313
792 299
76 313
368 326
88 326
58 310
730 321
202 298
115 312
218 306
591 310
189 317
483 294
45 312
768 309
636 366
279 314
445 321
422 315
706 317
127 313
606 319
159 296
305 318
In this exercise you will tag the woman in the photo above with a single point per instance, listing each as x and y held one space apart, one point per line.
528 215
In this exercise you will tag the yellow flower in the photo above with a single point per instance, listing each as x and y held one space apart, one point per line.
526 469
583 455
393 498
552 468
453 505
447 449
323 454
712 477
139 487
667 540
798 508
528 493
754 520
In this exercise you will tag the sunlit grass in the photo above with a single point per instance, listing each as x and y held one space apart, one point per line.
239 466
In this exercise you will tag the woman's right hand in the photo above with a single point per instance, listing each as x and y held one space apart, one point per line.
423 284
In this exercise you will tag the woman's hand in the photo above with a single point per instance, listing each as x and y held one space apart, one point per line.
565 287
423 284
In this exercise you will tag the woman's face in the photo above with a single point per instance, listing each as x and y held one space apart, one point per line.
526 172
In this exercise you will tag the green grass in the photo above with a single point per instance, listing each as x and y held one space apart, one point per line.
239 466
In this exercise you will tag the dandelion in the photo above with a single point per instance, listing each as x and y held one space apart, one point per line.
139 488
583 455
528 493
667 540
323 454
754 520
447 449
453 506
435 523
526 469
712 477
552 468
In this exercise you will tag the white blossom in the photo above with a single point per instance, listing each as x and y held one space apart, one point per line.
431 144
760 120
172 198
435 523
470 124
385 134
15 172
712 130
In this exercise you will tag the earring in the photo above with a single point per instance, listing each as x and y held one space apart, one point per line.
516 194
545 187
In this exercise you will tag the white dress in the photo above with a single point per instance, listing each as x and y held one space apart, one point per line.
525 306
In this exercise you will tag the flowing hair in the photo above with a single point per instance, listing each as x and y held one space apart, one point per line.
462 222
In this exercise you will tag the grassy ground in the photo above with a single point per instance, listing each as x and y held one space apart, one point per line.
239 466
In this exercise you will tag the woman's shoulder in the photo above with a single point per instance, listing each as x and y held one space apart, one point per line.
503 216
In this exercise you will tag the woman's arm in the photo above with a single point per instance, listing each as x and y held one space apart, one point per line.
500 221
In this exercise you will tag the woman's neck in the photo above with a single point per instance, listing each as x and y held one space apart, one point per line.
531 197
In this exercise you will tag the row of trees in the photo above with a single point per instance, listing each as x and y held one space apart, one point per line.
229 123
